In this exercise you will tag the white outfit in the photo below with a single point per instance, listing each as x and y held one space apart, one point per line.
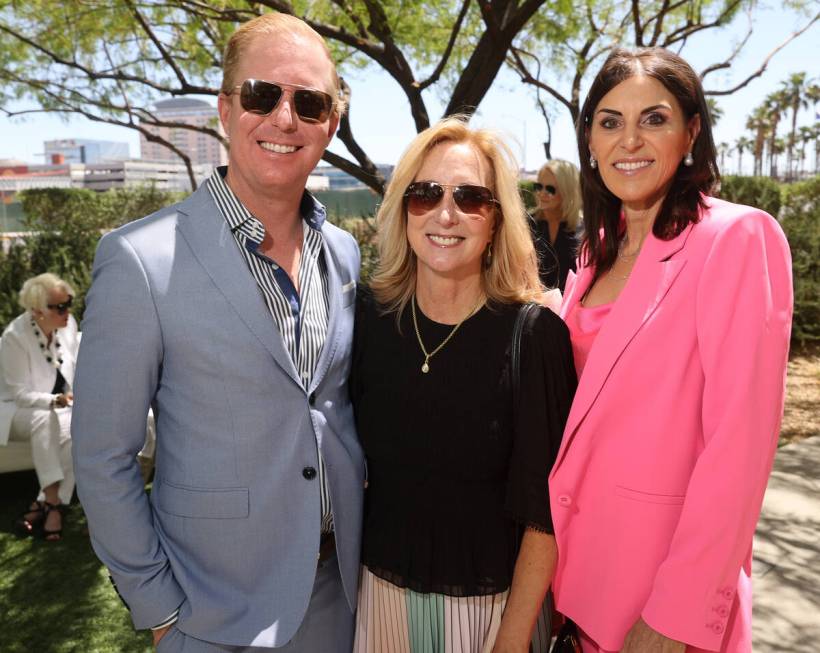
26 383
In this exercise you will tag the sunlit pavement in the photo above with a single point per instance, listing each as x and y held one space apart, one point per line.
786 567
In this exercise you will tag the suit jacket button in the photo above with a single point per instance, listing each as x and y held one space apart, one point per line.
565 500
722 610
309 473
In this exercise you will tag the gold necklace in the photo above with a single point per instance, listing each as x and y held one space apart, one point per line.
626 258
425 366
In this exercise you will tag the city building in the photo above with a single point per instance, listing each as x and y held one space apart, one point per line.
202 148
340 180
80 150
15 177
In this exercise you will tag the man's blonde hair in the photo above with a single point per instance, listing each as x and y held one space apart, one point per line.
569 186
271 25
512 275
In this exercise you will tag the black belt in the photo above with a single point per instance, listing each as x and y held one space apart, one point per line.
327 546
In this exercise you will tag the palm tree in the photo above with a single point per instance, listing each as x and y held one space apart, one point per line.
813 96
778 146
742 145
715 112
805 136
758 122
794 97
723 149
774 105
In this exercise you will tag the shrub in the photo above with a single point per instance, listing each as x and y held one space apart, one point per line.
801 222
65 225
759 192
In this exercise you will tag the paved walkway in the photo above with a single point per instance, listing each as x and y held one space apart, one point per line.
786 568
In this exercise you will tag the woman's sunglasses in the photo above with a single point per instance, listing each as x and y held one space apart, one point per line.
259 97
63 307
475 201
547 188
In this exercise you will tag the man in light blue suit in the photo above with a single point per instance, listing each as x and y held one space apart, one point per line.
231 313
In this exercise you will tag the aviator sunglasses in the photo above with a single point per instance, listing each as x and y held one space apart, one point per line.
547 188
61 308
423 196
260 97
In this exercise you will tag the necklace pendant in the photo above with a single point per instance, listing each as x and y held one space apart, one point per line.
425 367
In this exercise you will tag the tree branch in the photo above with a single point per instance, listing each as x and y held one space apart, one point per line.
636 21
434 76
118 75
693 28
66 108
527 78
727 63
372 177
765 63
658 18
168 59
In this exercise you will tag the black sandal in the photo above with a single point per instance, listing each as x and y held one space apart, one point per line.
57 534
26 527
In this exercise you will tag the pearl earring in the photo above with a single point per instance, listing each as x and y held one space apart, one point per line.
688 160
593 163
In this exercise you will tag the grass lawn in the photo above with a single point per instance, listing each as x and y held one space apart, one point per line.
55 597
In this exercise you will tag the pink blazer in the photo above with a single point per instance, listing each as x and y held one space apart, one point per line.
670 440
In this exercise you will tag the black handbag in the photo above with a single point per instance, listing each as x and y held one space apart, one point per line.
567 640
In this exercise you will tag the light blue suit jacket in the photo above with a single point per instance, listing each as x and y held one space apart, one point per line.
230 534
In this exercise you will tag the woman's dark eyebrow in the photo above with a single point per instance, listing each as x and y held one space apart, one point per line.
654 107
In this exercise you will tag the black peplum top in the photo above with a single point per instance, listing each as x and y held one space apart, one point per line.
455 474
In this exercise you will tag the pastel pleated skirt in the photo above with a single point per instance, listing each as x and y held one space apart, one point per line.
392 619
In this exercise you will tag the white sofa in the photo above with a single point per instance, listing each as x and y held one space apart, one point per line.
15 457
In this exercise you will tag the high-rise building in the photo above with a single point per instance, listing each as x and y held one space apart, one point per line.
82 150
203 149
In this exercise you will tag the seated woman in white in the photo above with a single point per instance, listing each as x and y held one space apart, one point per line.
38 353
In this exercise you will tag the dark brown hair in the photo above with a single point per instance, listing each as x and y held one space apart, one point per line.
680 207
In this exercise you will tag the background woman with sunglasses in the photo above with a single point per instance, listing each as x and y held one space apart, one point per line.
37 357
458 550
558 193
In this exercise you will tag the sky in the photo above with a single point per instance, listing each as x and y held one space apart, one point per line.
382 124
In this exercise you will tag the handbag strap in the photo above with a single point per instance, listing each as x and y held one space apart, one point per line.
521 319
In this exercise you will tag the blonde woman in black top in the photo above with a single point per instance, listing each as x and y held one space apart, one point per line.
556 220
458 551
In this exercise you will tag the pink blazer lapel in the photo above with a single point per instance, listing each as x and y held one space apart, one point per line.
654 273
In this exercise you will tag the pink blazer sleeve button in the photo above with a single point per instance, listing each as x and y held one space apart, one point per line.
565 500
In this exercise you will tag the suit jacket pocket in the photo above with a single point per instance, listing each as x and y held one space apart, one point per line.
649 497
202 503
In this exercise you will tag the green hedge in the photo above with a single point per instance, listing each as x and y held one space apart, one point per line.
801 222
66 224
760 192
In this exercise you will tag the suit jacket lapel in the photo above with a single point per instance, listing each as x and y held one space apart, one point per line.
334 290
653 275
212 243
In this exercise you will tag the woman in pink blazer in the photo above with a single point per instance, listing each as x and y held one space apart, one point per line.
680 317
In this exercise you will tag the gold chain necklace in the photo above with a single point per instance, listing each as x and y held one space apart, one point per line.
425 366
